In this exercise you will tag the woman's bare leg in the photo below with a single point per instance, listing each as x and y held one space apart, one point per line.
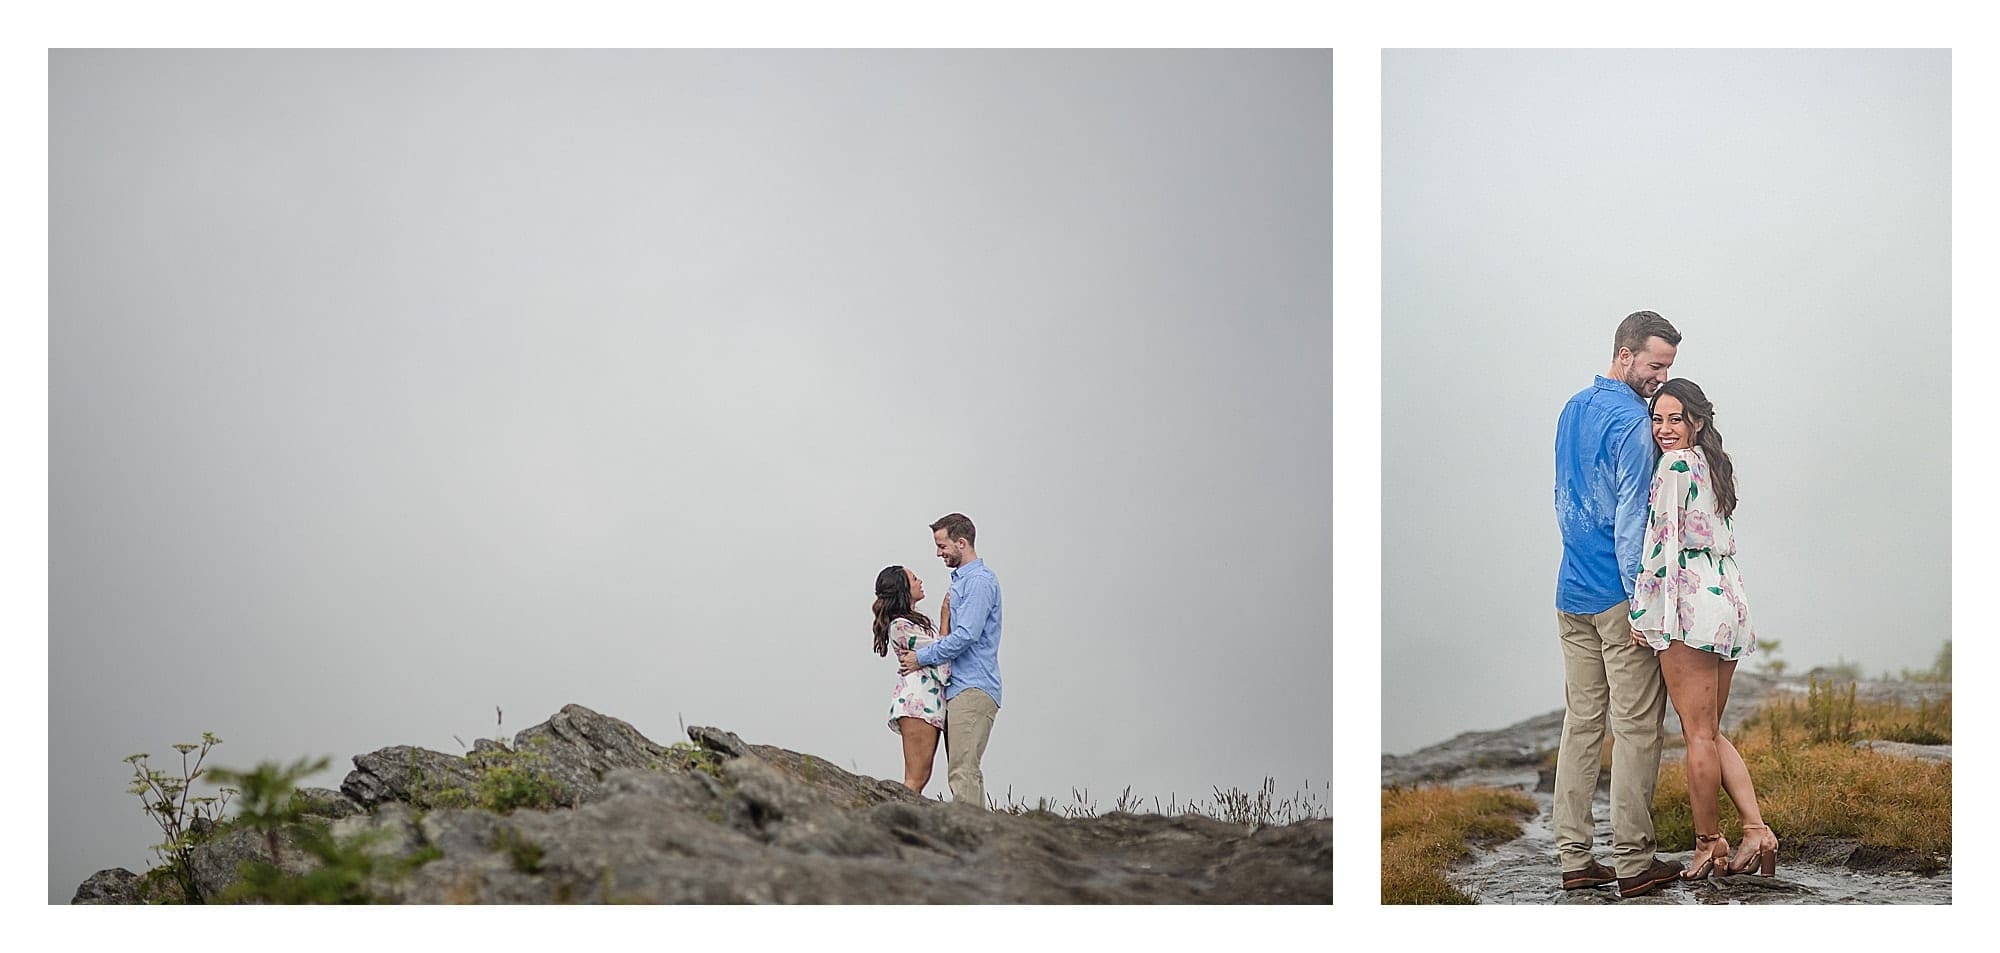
1736 782
1692 684
920 741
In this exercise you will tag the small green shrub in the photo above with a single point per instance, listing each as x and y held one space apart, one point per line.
505 781
1929 725
511 780
166 799
268 805
689 757
1829 714
428 793
342 868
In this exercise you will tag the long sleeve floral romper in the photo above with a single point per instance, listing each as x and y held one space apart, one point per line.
919 694
1689 587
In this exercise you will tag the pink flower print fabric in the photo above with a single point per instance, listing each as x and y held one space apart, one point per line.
1697 531
919 694
1689 588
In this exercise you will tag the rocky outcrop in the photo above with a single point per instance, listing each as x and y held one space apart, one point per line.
723 821
116 885
403 773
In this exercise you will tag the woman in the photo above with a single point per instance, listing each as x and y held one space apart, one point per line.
1689 606
917 713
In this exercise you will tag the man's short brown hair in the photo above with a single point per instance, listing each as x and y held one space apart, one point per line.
955 526
1641 326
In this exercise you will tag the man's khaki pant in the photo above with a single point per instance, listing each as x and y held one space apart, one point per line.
1607 674
968 722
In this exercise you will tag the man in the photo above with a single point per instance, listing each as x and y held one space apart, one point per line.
1604 467
972 646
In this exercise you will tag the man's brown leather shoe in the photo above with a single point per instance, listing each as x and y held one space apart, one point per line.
1595 875
1662 872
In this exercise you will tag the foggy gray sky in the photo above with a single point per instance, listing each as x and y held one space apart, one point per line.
1789 211
389 387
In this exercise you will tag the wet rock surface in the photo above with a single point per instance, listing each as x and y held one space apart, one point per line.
1524 870
748 823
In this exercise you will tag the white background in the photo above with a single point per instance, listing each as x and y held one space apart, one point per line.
1357 37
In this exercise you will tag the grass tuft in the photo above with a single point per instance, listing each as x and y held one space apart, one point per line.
1260 808
1426 829
1812 783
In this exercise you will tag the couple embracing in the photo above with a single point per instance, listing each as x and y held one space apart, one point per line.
1651 607
948 672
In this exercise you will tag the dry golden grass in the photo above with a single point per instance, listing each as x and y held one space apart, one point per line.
1813 783
1426 829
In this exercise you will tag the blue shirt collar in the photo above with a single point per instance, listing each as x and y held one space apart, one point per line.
981 563
1606 383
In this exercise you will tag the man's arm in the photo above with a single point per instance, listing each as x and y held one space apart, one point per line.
972 612
909 658
1634 467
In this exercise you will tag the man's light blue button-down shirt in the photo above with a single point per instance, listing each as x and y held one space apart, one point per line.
973 644
1604 467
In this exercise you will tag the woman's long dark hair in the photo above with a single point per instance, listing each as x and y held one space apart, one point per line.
892 602
1696 410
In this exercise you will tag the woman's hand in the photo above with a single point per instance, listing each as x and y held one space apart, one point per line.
1641 639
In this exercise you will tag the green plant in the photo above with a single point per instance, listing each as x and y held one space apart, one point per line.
342 868
510 780
340 875
688 757
525 855
268 805
1929 725
505 779
167 801
1829 715
428 794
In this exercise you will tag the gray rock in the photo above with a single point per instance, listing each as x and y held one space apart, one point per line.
391 831
216 860
748 823
1520 744
116 885
718 741
1903 749
326 802
578 747
404 773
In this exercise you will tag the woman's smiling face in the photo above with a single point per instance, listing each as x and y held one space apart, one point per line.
1670 425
